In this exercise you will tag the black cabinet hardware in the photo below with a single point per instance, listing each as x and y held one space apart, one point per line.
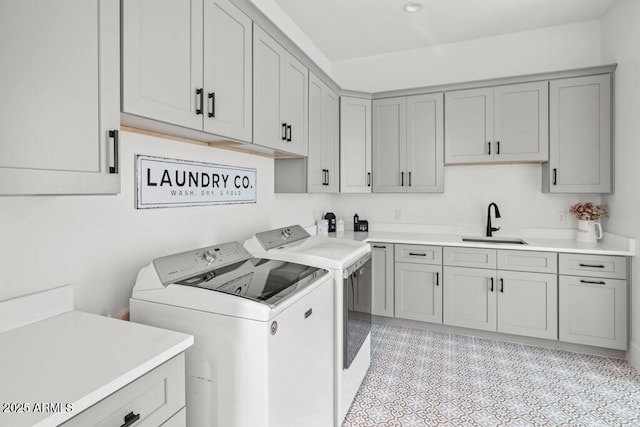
555 176
402 179
212 105
114 135
368 179
489 144
592 282
379 247
592 265
284 131
289 131
325 176
491 289
199 100
497 147
409 179
130 419
501 285
416 254
328 177
437 278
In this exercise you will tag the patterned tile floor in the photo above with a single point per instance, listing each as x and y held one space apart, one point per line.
426 378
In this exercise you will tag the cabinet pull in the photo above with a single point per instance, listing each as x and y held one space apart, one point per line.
497 147
592 265
409 178
592 282
130 418
328 177
416 254
368 179
325 176
199 100
379 247
114 135
212 110
437 278
401 179
502 286
289 130
555 176
490 289
489 144
284 131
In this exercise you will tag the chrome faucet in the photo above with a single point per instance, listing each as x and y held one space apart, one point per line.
491 229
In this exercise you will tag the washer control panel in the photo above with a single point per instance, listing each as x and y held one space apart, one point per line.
281 236
173 268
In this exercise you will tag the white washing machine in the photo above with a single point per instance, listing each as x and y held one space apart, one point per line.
350 262
263 329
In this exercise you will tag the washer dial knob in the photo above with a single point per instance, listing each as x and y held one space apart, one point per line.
209 256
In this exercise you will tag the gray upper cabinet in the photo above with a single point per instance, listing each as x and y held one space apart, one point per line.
188 63
408 144
323 162
355 145
497 124
280 97
580 136
60 96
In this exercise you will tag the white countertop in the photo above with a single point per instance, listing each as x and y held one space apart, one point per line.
610 245
76 358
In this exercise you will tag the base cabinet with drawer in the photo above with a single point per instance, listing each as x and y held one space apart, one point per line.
511 292
382 277
593 300
157 398
418 283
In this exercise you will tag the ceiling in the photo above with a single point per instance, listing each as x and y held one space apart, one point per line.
346 29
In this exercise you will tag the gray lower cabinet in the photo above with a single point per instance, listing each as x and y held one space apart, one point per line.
593 300
580 135
511 292
418 282
156 398
383 279
60 95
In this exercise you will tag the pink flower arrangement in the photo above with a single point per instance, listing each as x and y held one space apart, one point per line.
588 211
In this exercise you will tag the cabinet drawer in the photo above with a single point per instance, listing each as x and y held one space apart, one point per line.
470 257
155 396
536 262
614 267
420 254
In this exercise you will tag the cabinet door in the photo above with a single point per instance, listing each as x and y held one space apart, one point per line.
579 136
355 145
593 311
469 126
383 276
296 105
528 304
60 96
418 292
521 122
322 163
269 127
470 298
425 144
389 145
162 60
227 70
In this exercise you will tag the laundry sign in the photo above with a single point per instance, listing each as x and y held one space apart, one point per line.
163 183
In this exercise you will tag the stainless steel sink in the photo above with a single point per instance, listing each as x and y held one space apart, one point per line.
501 240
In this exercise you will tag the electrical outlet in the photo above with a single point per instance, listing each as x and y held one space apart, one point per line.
398 214
561 218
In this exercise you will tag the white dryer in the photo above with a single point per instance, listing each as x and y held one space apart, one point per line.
350 262
263 329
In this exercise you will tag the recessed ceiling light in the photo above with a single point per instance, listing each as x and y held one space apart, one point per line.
412 7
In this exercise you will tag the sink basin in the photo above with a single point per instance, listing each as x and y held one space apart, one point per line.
501 240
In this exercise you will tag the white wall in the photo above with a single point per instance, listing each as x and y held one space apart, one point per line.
620 41
548 49
98 243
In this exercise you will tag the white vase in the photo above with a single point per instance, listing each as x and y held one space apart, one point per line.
588 231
